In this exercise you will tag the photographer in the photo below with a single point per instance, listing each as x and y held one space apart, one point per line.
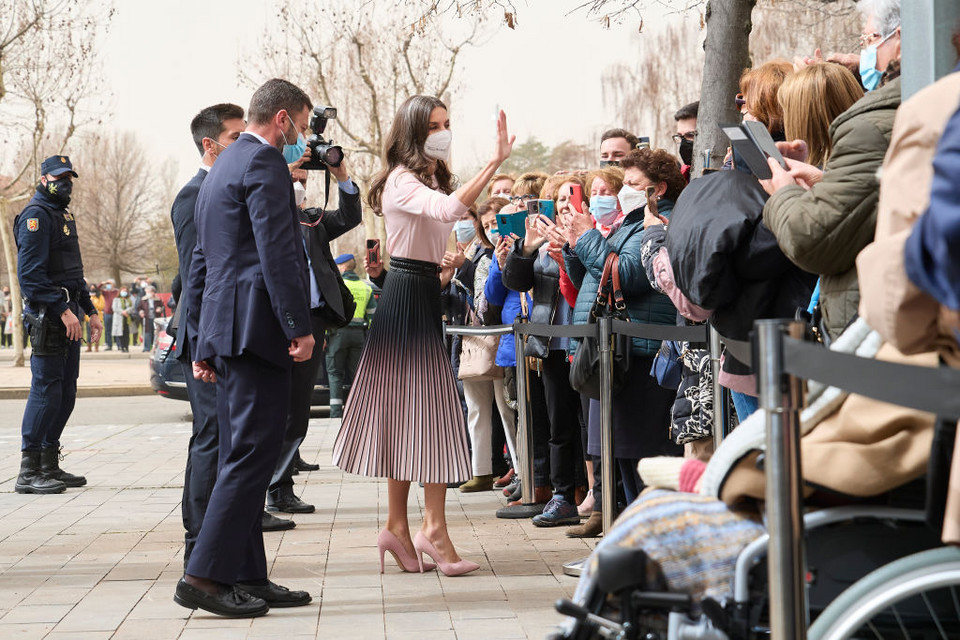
331 307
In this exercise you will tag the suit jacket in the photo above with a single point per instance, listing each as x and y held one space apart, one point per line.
185 236
247 289
332 225
185 229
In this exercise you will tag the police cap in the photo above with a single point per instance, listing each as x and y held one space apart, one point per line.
57 166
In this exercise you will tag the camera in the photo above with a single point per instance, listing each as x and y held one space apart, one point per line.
323 153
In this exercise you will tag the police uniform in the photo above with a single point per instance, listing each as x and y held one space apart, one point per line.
51 281
345 345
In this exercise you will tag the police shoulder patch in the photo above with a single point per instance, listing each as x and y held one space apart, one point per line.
33 224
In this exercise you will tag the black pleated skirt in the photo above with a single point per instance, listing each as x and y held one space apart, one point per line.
403 418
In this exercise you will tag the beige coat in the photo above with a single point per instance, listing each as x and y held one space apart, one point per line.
906 317
864 449
890 303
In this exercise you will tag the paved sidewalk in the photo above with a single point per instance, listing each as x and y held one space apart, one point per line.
104 373
102 561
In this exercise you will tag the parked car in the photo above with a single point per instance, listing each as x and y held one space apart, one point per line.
166 375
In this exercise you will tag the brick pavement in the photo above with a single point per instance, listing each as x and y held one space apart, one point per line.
102 561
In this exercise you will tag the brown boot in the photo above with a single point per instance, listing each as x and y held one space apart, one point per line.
592 528
477 484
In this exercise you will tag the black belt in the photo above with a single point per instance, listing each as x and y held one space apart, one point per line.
65 294
414 267
70 296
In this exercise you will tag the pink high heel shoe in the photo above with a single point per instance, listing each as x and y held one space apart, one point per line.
386 541
422 545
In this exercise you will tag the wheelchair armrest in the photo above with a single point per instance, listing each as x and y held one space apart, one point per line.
662 600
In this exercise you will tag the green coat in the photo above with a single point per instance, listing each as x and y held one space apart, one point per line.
822 230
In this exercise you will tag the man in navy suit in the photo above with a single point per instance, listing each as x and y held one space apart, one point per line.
213 130
248 320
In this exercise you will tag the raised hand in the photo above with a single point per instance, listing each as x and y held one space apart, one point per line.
536 235
504 245
505 141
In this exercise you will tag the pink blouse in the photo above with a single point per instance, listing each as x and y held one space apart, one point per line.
418 219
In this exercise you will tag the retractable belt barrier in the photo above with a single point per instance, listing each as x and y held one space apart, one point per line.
783 360
603 330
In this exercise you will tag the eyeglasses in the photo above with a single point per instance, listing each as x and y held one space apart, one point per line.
523 198
740 100
689 136
867 39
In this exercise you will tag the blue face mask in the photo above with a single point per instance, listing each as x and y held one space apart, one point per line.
465 230
869 74
604 209
293 152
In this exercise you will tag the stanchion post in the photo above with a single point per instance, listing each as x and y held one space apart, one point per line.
607 462
524 427
779 398
720 418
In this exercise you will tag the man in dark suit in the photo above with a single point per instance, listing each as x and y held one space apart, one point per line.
213 130
248 320
318 227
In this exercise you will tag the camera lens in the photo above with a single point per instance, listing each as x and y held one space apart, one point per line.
331 155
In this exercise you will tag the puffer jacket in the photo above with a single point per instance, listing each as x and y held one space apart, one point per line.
541 273
585 266
822 230
509 302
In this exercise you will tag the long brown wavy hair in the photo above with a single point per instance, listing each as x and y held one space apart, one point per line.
404 148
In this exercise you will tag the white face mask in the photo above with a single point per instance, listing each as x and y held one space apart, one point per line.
299 192
437 145
631 199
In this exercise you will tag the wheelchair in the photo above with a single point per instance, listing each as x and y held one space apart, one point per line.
873 571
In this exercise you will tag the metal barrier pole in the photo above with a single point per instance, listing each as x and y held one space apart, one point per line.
607 462
524 426
720 421
785 561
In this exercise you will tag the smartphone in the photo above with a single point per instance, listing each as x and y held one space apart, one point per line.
651 192
533 207
504 224
644 143
576 197
761 137
373 252
548 208
512 223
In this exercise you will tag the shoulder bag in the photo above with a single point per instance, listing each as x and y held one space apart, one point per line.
585 369
478 354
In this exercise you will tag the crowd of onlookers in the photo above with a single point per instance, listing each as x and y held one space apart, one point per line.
128 313
855 233
727 248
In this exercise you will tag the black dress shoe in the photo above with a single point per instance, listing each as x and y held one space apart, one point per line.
270 522
229 602
284 499
275 595
302 465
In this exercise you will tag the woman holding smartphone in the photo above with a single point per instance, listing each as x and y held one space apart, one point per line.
403 419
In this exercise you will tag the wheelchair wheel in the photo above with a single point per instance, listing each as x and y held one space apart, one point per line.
916 597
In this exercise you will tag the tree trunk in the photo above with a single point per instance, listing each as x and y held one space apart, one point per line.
10 252
727 54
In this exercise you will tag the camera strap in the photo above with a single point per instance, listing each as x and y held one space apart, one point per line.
326 188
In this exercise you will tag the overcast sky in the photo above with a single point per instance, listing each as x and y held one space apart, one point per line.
163 61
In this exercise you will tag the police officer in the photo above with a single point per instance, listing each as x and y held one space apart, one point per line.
345 345
55 293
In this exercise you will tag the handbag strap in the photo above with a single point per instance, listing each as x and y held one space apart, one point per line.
619 304
603 288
